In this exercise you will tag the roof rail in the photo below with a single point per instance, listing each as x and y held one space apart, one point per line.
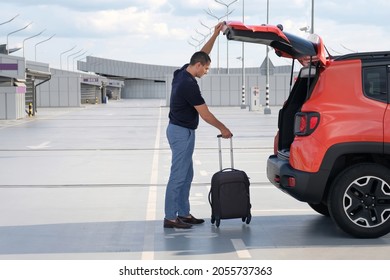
364 55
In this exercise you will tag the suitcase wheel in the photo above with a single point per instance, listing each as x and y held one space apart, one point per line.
217 222
247 220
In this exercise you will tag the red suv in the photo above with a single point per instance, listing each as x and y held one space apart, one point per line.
332 149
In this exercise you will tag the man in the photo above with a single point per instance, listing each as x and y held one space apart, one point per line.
186 105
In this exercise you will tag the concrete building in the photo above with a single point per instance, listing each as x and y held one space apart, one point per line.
26 86
154 81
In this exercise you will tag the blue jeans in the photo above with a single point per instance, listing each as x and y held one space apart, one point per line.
182 143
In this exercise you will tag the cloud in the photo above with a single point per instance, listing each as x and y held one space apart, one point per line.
158 31
95 5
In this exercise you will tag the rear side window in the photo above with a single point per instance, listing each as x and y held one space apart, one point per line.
375 82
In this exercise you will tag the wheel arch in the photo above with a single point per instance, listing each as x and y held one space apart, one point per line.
340 156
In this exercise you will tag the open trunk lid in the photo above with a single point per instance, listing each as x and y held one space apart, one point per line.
284 44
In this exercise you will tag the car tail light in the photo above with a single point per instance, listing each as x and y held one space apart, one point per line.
306 123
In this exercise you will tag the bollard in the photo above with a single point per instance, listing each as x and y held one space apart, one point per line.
243 106
30 112
267 109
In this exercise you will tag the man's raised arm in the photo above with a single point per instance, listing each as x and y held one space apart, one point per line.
210 43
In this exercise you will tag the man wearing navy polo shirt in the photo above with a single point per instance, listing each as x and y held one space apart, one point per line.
186 105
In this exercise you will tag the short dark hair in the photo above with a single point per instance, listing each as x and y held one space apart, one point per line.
201 57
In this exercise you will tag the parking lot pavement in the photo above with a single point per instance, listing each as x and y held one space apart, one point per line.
89 183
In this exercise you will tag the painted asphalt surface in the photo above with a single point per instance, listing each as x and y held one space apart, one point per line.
89 183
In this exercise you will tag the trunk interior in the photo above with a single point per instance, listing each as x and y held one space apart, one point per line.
298 95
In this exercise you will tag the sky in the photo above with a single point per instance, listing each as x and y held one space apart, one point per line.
167 32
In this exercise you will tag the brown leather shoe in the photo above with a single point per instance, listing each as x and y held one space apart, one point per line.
191 220
176 224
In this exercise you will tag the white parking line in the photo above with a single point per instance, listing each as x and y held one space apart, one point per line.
240 248
43 145
282 210
148 248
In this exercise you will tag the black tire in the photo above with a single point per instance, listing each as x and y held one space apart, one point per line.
359 200
320 208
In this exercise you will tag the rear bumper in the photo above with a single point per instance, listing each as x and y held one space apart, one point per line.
308 187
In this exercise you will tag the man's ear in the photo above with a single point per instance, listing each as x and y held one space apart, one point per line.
198 65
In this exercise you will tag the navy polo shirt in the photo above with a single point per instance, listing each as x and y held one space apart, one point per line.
184 96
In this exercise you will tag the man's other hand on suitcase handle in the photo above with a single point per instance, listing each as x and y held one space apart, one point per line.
227 135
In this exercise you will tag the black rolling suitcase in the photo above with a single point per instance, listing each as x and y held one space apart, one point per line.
229 193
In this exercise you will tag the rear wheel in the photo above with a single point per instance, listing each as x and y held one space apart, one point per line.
359 200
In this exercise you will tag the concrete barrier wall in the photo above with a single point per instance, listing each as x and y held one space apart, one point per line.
226 90
63 90
12 103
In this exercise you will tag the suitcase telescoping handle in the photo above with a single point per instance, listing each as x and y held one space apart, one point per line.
220 152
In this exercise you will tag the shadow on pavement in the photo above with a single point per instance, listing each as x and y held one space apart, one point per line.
264 232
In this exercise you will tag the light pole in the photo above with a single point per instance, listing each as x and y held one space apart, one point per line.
350 50
13 32
190 43
312 17
200 42
67 59
65 53
201 34
9 20
85 57
78 57
310 29
33 36
305 29
267 109
6 46
208 27
210 13
35 47
243 62
227 5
